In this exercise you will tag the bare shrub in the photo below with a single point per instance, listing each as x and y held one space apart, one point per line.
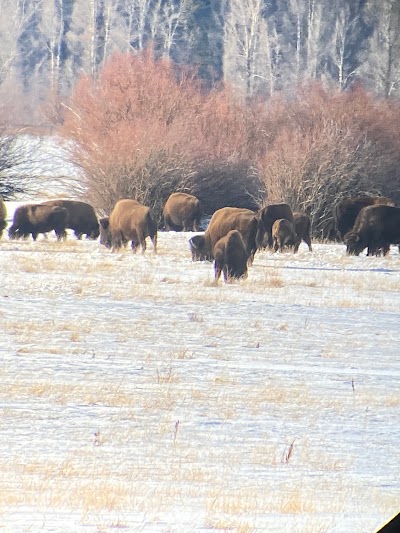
327 145
223 183
144 129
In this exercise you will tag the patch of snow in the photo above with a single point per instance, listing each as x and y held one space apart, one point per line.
138 395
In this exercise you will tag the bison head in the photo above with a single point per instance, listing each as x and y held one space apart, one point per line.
199 249
354 246
105 233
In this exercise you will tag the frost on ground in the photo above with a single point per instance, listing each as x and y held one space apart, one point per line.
137 395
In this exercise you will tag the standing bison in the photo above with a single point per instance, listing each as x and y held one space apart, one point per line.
283 234
302 227
3 216
82 217
267 216
376 228
223 221
182 211
38 218
128 221
345 212
230 257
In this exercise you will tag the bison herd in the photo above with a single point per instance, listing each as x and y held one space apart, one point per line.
232 236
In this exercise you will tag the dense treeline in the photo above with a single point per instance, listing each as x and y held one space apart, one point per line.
142 129
239 102
258 46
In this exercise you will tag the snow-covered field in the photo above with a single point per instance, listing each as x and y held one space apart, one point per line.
138 396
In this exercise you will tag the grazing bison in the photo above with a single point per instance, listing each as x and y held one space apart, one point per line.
230 257
376 228
3 216
222 221
38 218
197 247
82 217
302 227
283 234
129 221
182 211
267 216
345 212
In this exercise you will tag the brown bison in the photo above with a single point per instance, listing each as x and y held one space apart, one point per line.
345 212
38 218
376 228
230 257
267 216
3 216
129 221
222 221
283 234
302 227
82 217
182 211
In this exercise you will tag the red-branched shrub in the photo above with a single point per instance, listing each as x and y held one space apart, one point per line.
144 129
326 145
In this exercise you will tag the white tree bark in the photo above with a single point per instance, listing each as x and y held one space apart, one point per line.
247 58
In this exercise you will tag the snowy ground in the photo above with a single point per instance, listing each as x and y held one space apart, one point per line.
137 395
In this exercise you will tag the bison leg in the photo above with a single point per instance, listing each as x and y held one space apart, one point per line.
134 246
117 240
188 224
34 235
154 242
217 271
167 223
143 244
61 235
297 243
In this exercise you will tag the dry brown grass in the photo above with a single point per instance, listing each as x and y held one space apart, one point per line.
272 279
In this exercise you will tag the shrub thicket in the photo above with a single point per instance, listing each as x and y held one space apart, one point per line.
144 129
326 145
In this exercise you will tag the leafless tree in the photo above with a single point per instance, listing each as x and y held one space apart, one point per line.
247 54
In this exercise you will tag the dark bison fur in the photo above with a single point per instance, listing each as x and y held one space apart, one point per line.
128 221
345 212
230 257
302 227
376 228
283 234
38 218
197 245
82 217
267 216
182 211
223 221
